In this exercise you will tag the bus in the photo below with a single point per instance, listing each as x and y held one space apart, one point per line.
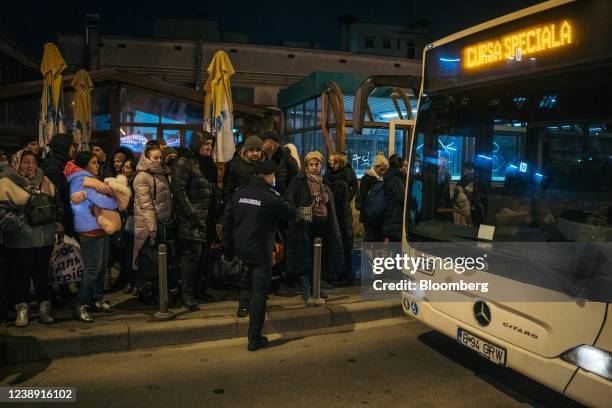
511 154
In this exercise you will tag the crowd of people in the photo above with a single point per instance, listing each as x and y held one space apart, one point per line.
119 207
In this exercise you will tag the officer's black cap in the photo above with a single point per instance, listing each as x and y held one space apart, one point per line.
265 167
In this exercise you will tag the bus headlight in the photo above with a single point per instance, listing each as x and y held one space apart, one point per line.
591 359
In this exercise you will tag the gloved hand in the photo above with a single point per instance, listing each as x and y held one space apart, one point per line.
152 242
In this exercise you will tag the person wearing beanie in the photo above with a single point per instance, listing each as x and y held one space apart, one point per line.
94 241
62 150
286 166
249 225
317 217
241 168
195 196
372 226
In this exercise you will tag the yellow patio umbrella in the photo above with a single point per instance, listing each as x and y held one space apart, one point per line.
81 107
218 106
51 119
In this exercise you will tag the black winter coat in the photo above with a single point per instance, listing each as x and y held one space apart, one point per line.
343 184
300 239
250 221
192 194
394 197
53 167
366 183
286 168
238 173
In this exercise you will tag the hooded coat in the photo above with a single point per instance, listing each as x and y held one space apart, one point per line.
109 169
343 184
15 231
300 239
53 167
286 168
394 198
193 191
152 201
367 182
84 218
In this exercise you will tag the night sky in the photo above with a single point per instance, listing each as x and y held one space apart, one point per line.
32 23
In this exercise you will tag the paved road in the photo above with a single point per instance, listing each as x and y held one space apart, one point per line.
393 363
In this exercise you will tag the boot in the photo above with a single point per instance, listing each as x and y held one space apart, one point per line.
44 312
82 315
305 287
23 315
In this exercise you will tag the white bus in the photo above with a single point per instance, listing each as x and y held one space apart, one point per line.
513 145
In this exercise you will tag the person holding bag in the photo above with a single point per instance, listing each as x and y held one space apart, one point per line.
30 213
316 217
152 207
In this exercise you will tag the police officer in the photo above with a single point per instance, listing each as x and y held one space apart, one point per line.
250 221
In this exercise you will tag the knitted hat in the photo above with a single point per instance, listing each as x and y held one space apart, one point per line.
313 155
381 160
252 143
265 167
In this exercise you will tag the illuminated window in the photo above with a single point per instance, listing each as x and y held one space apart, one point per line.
519 102
494 102
548 102
464 101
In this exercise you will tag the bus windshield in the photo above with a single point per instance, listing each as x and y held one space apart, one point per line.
525 159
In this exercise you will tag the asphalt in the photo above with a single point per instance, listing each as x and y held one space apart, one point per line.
387 363
131 326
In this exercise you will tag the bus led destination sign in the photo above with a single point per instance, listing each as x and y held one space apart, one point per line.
528 42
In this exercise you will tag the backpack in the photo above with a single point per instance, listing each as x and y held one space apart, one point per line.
375 204
41 208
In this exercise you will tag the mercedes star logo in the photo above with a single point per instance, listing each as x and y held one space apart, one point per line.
482 313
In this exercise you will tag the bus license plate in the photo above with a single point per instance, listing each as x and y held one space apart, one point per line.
482 347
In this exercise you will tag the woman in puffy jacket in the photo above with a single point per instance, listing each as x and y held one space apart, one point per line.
28 240
93 239
152 199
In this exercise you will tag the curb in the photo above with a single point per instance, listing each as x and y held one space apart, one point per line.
82 339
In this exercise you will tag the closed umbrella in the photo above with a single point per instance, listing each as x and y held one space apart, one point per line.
51 119
82 108
218 107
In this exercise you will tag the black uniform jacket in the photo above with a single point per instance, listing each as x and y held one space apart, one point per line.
249 224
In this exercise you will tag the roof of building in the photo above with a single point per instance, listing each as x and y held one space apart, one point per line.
187 94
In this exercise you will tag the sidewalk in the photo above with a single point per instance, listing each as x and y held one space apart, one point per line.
130 326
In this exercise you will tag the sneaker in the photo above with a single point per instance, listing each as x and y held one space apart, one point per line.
23 315
258 343
103 306
191 304
82 315
44 312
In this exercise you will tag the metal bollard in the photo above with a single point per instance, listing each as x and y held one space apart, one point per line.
162 259
316 300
